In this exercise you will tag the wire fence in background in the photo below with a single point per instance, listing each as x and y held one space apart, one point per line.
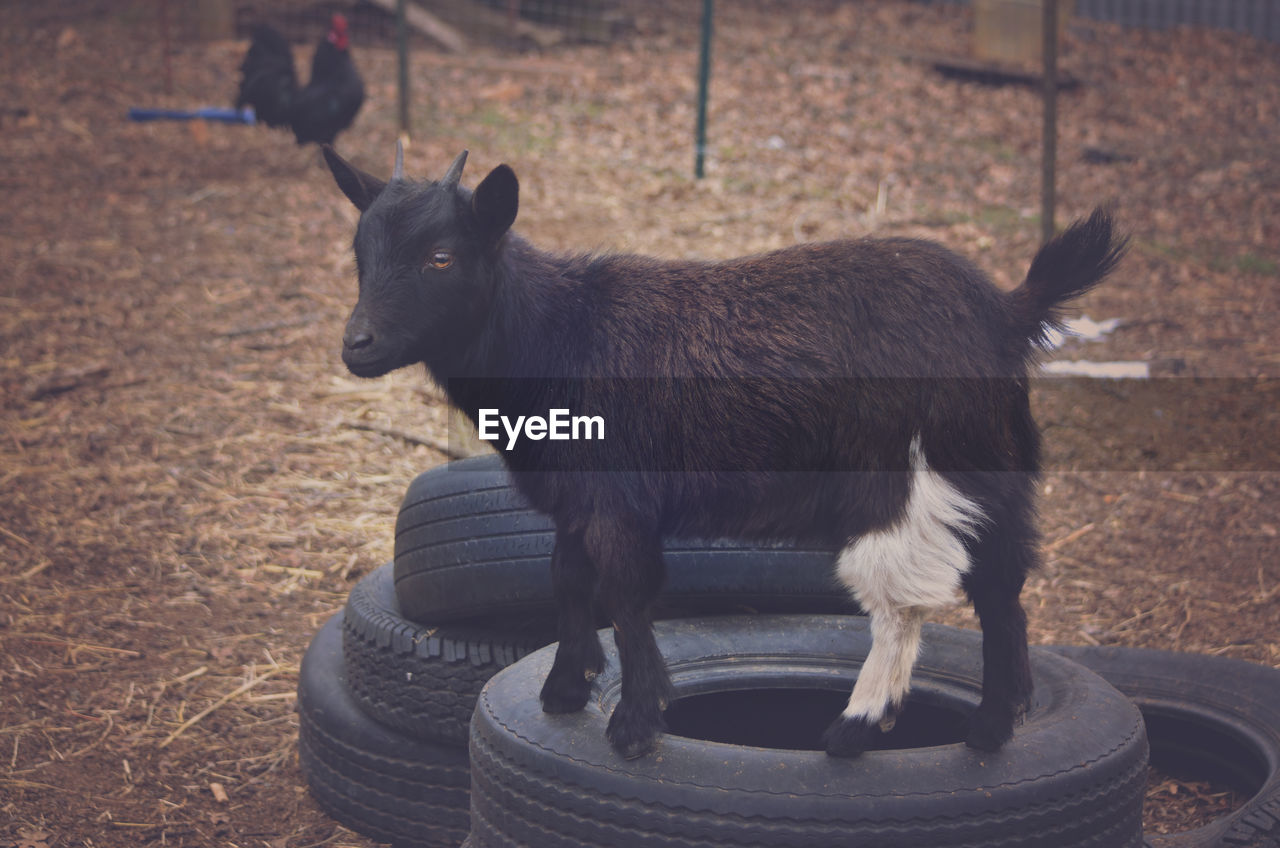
505 24
1259 18
544 24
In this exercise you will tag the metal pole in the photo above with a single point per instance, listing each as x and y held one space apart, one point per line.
704 79
402 48
1048 155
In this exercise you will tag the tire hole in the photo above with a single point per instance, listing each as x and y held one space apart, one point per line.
1200 771
794 719
1185 745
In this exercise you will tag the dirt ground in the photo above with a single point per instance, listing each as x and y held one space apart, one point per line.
190 482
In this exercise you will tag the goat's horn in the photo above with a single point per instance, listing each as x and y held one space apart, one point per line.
454 174
397 173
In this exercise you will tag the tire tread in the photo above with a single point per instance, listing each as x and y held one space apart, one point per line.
424 681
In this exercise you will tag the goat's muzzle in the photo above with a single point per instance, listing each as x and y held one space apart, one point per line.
361 354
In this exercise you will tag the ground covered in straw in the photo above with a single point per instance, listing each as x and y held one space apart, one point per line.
190 483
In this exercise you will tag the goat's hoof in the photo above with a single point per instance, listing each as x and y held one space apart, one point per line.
630 735
565 693
849 737
989 729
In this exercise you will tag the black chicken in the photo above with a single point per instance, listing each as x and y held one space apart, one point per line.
317 112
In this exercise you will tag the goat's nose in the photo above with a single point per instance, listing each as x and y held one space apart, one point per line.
355 341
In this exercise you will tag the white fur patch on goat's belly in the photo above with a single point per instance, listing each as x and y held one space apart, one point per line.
920 559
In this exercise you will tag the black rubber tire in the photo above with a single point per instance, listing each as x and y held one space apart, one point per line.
371 779
424 681
1073 775
1213 718
469 546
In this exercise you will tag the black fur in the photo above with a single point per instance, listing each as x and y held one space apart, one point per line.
772 396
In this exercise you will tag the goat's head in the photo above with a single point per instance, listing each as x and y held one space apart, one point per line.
425 254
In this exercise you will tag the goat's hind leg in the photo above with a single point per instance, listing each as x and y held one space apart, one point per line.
882 683
579 657
913 562
1001 561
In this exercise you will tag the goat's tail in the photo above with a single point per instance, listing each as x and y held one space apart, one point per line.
1065 268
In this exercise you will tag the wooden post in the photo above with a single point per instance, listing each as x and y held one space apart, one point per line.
427 24
210 20
1048 156
166 46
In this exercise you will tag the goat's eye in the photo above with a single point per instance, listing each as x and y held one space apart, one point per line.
440 259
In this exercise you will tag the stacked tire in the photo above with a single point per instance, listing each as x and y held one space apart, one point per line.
420 724
389 685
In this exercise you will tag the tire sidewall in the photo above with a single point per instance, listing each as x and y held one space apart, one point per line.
469 547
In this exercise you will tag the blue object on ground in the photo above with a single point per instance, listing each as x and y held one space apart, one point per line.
223 114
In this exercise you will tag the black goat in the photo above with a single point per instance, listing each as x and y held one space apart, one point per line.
871 395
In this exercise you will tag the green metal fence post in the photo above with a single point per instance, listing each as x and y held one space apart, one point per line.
704 79
1049 153
402 48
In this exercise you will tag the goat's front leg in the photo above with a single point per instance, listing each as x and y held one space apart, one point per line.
579 657
631 573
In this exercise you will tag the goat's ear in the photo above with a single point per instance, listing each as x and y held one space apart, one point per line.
496 200
360 188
